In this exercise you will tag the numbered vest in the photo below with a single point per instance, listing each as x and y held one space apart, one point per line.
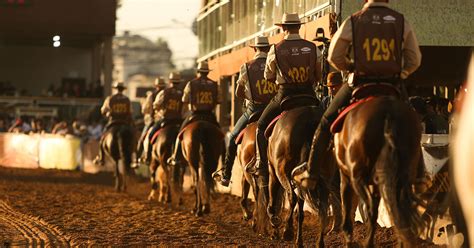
261 90
203 94
172 104
297 61
377 42
119 108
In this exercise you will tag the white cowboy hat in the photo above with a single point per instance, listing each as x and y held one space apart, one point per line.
175 78
261 41
203 66
290 19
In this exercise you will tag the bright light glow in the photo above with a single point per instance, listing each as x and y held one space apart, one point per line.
56 38
57 44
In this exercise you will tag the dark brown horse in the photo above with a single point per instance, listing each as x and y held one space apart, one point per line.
169 178
289 146
118 145
246 155
202 143
378 151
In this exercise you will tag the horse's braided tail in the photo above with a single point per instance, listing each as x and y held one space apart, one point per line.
394 186
124 138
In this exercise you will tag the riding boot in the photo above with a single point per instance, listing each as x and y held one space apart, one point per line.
173 160
422 181
261 162
224 180
99 160
307 178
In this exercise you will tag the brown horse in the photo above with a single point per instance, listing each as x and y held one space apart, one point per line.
202 143
289 146
378 151
246 155
118 144
166 175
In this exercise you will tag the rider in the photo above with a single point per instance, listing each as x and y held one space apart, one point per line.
147 111
250 86
202 96
294 64
334 83
117 109
385 49
167 107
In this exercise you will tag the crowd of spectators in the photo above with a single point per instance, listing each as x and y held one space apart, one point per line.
92 90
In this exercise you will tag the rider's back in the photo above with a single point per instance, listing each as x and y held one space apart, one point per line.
203 95
120 108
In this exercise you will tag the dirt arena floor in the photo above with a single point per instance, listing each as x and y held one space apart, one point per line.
70 208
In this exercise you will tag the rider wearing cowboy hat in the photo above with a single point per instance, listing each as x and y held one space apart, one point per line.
202 96
385 48
118 110
147 111
294 64
250 80
167 107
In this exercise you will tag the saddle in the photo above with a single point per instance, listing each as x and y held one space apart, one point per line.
199 117
175 122
362 94
291 102
253 118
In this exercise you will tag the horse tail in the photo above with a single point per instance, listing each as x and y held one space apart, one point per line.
124 139
394 187
208 163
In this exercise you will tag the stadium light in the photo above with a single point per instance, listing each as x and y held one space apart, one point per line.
56 38
57 44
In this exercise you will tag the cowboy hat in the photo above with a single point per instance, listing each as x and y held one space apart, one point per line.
175 78
160 82
203 66
334 79
118 85
290 19
261 41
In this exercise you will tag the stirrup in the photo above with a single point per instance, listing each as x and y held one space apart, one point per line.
98 161
172 161
302 177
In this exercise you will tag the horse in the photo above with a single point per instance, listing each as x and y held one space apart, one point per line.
463 172
378 151
202 144
289 146
246 155
168 177
118 145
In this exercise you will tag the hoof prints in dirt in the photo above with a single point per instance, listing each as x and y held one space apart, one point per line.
33 230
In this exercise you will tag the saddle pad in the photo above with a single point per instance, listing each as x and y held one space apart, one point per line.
155 136
336 126
269 130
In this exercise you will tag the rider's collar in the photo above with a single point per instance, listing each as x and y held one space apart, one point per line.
371 3
292 37
259 55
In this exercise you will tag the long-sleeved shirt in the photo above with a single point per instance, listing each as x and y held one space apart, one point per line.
342 41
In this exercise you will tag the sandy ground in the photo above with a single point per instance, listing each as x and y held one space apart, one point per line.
62 208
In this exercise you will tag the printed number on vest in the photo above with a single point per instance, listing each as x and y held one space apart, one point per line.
379 49
205 97
119 108
299 74
264 87
173 105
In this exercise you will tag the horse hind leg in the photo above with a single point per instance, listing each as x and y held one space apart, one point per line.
299 234
274 204
369 208
118 179
348 204
247 215
154 184
288 231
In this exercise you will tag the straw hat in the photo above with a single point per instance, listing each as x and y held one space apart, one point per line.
290 19
334 79
175 78
160 82
203 66
261 41
119 85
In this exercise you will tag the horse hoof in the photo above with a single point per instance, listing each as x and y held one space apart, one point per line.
206 209
288 235
274 236
198 213
254 226
275 221
247 216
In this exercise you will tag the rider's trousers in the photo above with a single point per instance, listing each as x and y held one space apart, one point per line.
238 127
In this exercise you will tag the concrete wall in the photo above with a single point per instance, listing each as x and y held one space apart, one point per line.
436 22
36 67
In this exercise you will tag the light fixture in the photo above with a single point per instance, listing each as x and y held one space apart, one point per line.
57 44
56 38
